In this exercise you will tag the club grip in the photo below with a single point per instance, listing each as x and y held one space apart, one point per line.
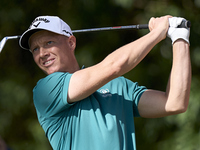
142 26
185 24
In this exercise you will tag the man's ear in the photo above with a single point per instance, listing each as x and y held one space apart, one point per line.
72 42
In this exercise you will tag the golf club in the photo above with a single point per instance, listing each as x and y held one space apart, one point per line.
184 24
4 40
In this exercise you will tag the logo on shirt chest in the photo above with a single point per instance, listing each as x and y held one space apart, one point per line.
105 92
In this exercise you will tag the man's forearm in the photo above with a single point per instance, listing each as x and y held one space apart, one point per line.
128 56
178 89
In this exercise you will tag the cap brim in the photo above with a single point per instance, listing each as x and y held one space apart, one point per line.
23 42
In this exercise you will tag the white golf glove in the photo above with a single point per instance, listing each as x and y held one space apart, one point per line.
177 33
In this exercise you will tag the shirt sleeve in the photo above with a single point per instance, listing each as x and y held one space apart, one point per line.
135 92
50 94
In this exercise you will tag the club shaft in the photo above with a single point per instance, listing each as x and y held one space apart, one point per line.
141 26
184 24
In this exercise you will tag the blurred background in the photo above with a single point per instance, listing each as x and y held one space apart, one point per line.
19 74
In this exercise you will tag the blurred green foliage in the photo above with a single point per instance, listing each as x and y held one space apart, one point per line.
18 121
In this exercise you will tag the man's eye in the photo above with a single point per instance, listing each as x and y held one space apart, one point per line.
35 49
50 42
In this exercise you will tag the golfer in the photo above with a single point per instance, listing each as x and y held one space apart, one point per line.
94 108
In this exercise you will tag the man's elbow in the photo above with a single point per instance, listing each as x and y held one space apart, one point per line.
182 110
178 109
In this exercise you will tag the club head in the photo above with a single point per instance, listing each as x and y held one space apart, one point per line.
4 40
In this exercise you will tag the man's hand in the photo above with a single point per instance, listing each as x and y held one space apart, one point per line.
177 33
160 25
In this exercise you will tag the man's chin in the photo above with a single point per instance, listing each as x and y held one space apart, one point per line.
48 72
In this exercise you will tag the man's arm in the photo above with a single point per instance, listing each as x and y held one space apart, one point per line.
154 104
85 82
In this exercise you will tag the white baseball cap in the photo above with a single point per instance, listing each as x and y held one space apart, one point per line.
49 23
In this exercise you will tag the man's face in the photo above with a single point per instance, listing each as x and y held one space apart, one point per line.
52 52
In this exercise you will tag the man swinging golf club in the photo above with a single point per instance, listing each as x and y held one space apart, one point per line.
94 108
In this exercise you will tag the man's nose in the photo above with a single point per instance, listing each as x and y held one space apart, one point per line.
43 52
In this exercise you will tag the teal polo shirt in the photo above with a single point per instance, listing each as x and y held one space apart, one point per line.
102 121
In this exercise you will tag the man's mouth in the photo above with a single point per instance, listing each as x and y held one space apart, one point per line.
46 63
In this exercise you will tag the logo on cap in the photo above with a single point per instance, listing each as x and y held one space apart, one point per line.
40 20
